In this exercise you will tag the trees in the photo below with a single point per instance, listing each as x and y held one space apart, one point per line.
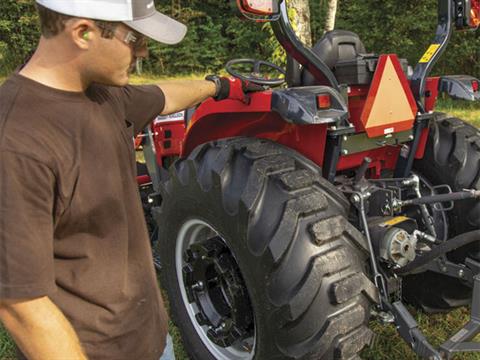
331 15
301 20
18 33
216 35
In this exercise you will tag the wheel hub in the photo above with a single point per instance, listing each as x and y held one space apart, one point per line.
213 282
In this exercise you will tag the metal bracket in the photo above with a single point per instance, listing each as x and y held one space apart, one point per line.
409 331
461 341
406 158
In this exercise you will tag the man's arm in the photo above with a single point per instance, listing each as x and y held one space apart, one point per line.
40 329
181 95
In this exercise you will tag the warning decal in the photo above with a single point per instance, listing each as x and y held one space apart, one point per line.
390 106
432 50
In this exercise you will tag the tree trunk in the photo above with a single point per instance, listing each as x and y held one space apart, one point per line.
331 14
301 20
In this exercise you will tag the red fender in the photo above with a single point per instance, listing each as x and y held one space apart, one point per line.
215 120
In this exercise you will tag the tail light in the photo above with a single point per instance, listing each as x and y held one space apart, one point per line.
323 101
259 7
475 86
474 20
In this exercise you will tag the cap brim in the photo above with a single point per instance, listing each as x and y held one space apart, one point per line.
159 27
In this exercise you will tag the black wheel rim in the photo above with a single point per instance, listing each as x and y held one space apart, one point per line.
214 293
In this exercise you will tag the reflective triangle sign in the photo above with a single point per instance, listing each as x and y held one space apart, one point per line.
390 106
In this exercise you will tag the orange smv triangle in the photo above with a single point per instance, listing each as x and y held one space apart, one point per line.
390 106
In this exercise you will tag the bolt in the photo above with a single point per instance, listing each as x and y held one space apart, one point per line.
411 137
461 273
444 269
345 152
356 198
198 286
221 328
345 138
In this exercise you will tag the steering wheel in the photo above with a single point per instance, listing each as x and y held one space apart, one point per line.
255 76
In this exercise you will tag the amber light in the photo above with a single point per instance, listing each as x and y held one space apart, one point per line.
258 7
323 101
475 14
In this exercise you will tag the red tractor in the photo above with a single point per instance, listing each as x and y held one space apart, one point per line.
287 220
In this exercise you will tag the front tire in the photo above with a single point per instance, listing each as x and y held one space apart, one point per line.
258 259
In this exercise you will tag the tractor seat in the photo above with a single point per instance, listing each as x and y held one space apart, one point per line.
334 46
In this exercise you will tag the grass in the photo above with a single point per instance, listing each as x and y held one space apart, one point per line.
469 111
152 79
6 345
388 345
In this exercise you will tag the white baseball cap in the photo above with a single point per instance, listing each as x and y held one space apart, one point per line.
140 15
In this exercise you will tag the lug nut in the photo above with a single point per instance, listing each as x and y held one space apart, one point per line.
198 286
220 328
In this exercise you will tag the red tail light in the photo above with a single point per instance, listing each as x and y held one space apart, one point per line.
475 86
474 21
323 101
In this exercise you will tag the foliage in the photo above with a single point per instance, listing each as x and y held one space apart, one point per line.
18 32
217 35
407 28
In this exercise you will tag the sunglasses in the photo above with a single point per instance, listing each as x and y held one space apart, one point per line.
130 37
135 40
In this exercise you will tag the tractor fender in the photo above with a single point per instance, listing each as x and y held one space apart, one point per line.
291 117
461 87
303 105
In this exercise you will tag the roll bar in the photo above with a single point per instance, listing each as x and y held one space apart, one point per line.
448 16
285 35
442 38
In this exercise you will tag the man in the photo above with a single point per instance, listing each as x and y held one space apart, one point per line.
76 276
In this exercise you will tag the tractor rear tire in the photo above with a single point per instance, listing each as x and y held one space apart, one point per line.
452 157
258 259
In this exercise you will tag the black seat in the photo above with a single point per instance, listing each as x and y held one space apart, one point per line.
334 46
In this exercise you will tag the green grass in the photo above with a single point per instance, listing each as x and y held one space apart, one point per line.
152 79
6 345
388 345
469 111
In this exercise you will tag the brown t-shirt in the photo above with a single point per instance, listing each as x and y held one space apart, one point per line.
71 222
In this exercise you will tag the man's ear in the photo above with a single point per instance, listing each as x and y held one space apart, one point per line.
81 31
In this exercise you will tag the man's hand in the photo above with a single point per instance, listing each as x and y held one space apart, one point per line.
236 89
40 329
181 95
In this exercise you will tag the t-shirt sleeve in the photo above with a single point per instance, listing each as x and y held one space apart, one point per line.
142 104
27 192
